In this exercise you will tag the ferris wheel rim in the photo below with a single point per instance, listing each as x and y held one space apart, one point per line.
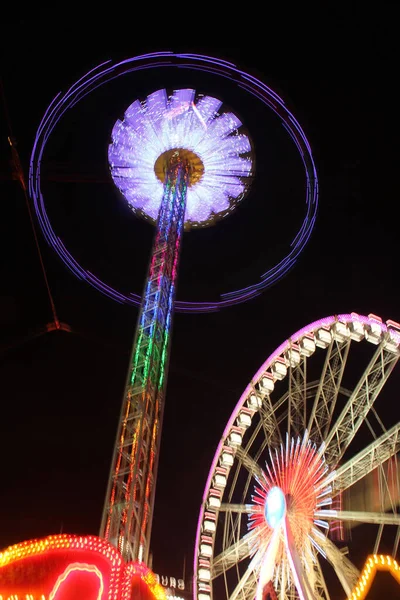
388 331
108 70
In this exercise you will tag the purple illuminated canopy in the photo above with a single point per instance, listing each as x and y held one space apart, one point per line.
182 121
109 71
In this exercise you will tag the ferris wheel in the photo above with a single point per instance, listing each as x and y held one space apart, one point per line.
307 461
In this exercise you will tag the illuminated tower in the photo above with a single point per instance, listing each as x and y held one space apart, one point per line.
181 164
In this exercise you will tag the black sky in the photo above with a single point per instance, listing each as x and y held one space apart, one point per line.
61 392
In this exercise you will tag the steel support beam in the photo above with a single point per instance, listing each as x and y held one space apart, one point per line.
128 509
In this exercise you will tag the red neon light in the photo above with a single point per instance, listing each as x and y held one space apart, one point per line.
60 567
73 568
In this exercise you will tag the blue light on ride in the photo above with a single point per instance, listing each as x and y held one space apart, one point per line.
275 507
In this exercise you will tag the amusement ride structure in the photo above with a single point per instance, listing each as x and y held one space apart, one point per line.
276 497
181 162
308 455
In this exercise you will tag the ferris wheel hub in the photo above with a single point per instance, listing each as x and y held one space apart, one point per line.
275 507
289 491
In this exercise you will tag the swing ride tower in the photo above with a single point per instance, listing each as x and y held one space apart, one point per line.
182 160
193 149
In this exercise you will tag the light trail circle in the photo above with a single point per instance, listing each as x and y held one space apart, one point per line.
312 424
108 71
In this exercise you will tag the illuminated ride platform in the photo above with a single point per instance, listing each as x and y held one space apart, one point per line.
70 567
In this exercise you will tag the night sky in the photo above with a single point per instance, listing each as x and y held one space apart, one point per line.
61 392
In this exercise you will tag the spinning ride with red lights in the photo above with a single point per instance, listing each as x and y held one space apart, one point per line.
287 479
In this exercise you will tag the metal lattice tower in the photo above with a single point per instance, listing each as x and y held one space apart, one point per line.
127 516
179 164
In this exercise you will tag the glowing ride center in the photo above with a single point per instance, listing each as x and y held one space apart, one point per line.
258 90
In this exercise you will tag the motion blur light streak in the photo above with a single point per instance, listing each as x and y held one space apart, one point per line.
109 71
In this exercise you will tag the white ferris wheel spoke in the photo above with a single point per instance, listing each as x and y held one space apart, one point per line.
358 405
284 583
301 581
233 522
247 585
268 563
272 436
232 555
363 463
360 516
250 464
269 422
297 381
270 425
346 572
328 391
280 579
239 508
232 529
318 580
